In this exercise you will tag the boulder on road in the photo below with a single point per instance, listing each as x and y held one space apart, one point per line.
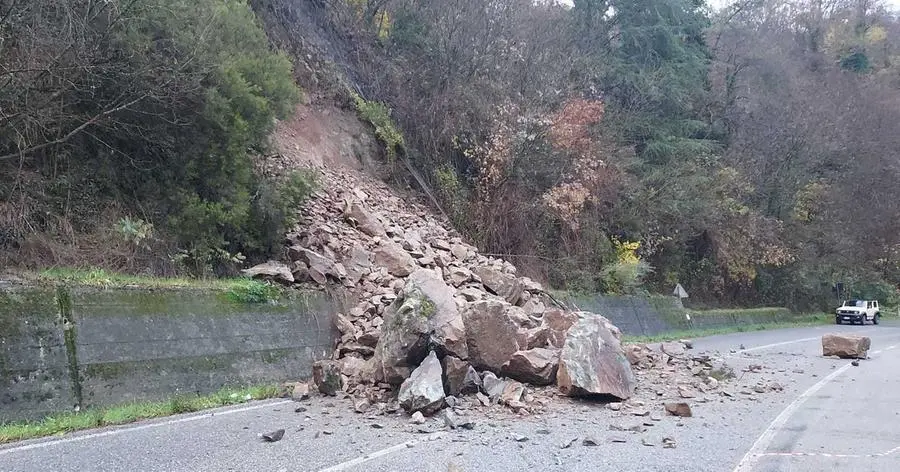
535 366
423 391
490 333
846 346
327 377
424 316
461 378
592 361
493 386
679 409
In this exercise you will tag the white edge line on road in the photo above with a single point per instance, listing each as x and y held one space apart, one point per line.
751 457
768 346
383 452
128 429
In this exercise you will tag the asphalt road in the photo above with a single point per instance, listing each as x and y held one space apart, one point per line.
830 416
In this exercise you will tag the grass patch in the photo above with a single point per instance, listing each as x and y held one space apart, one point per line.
129 413
794 322
242 289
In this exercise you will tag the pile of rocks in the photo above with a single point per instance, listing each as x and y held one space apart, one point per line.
430 317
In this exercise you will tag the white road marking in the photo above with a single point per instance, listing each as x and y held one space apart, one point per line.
758 449
129 429
383 452
825 454
769 346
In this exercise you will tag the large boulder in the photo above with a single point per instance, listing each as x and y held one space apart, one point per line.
846 346
498 283
459 377
424 316
592 361
423 391
364 220
535 366
491 334
271 270
397 261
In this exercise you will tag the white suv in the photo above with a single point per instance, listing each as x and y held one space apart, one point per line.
858 311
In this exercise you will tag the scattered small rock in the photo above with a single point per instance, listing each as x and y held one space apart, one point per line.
273 436
417 418
590 441
855 363
618 439
449 419
521 438
668 442
361 406
679 409
647 442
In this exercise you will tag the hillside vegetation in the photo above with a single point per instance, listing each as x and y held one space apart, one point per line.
750 154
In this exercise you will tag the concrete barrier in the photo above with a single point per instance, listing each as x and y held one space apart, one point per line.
59 349
650 316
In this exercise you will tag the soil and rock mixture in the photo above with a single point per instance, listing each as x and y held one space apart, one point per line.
431 327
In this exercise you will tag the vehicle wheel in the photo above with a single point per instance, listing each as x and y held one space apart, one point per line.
837 320
875 320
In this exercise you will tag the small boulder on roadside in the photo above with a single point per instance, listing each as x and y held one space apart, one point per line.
327 377
493 386
460 377
423 391
679 409
846 346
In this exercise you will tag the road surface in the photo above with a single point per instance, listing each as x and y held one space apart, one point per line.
830 416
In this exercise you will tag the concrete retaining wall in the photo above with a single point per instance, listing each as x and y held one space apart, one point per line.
131 345
655 315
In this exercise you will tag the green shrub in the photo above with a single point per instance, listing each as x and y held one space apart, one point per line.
379 115
623 277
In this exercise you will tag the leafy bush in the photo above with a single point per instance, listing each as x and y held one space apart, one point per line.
170 101
379 116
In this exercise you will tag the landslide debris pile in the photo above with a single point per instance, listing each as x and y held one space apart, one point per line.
434 320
